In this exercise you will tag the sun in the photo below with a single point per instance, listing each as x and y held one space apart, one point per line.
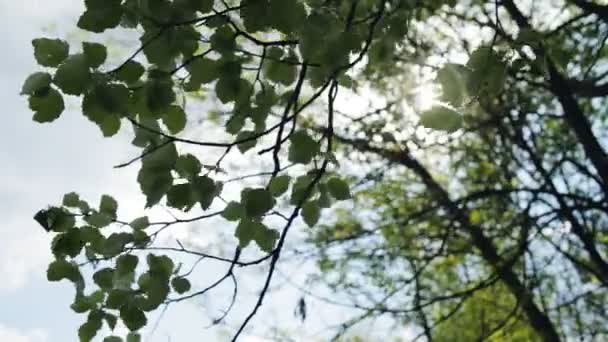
426 96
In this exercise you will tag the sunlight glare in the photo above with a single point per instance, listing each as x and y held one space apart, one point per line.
427 95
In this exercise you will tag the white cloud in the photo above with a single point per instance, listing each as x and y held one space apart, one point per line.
14 335
40 10
248 338
27 253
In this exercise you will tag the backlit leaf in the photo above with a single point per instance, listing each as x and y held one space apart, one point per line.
180 285
441 118
302 148
50 52
279 185
257 201
311 212
47 106
36 83
73 75
95 53
338 188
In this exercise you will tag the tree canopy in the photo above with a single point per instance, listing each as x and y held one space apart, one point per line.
467 201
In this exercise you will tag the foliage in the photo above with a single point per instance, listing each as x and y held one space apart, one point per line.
521 180
496 231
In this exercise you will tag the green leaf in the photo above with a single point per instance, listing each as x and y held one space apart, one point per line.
154 183
230 86
257 201
186 40
126 264
94 239
115 243
223 40
111 320
203 71
299 189
235 123
253 230
188 166
104 277
112 339
140 238
205 190
98 220
105 104
180 285
160 265
159 47
441 118
89 329
55 219
156 290
283 71
287 15
311 212
140 223
133 337
338 188
96 297
117 298
69 243
324 200
248 144
36 83
488 72
83 304
155 177
108 206
233 211
159 95
50 52
202 6
314 34
475 216
181 196
266 239
162 158
453 82
133 317
245 232
61 269
130 72
123 281
95 53
302 148
84 206
71 200
73 75
279 185
175 119
101 15
255 14
48 106
228 89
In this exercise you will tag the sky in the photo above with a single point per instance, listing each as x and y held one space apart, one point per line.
39 163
